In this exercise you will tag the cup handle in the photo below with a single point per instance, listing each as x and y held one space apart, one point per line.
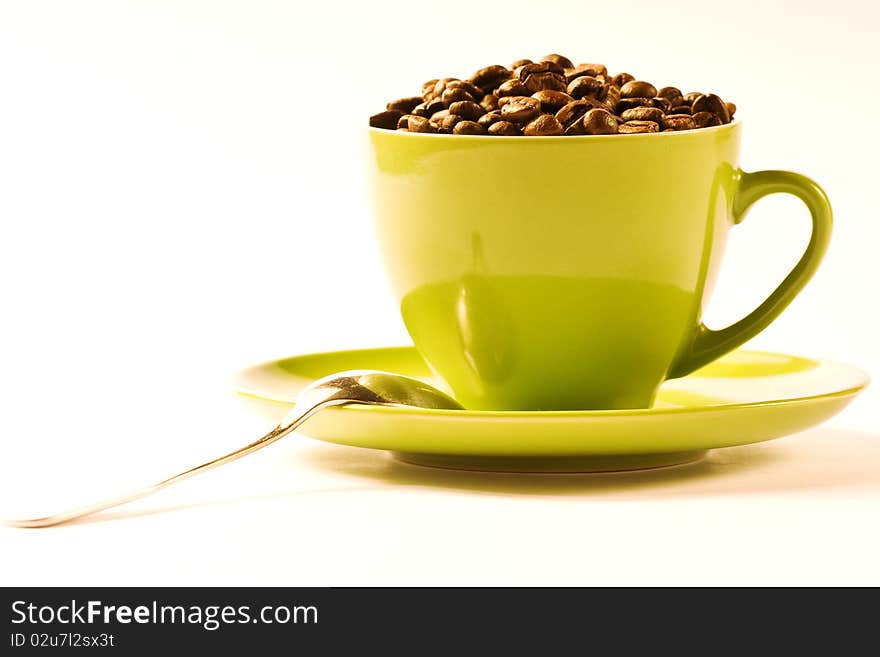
707 345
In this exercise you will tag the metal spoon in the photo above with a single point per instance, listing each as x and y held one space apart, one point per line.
369 387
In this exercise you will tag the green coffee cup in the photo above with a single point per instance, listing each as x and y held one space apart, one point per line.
551 273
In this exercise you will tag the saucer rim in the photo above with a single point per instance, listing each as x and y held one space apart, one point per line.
466 414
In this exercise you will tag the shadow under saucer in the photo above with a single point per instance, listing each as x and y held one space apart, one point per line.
819 458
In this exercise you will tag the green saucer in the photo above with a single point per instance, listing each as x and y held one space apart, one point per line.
744 397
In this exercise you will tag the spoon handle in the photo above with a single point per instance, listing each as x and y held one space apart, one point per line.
299 414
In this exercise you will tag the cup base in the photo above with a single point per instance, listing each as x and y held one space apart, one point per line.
551 464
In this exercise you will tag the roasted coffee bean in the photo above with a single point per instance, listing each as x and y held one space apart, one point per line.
690 97
661 103
560 60
545 125
443 121
643 114
420 124
553 67
468 128
612 97
711 103
576 127
467 109
520 109
541 75
680 109
429 107
621 79
545 81
450 96
629 103
439 87
489 118
520 62
679 122
638 89
446 126
593 70
633 127
403 122
585 85
504 129
599 122
512 87
672 94
525 71
489 102
404 105
448 122
475 92
705 119
428 88
574 110
436 117
731 109
551 101
386 120
489 77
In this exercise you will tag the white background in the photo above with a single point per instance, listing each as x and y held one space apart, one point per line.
182 194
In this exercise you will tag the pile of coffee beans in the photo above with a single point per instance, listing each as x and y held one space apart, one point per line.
548 97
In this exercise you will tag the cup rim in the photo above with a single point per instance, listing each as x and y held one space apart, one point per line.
678 134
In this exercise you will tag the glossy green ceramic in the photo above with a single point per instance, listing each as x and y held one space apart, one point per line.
547 273
743 397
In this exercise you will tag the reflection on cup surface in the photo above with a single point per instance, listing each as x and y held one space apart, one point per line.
488 335
485 329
